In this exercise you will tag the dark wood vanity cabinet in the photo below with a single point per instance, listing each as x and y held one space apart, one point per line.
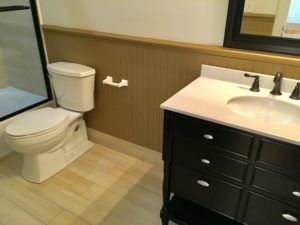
214 174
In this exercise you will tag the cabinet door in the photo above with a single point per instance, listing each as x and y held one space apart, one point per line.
205 190
264 211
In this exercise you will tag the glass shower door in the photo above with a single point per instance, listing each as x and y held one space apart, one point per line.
23 77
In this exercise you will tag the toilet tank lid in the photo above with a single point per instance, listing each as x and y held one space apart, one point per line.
70 69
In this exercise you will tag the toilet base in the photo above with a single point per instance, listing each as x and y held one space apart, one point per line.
39 167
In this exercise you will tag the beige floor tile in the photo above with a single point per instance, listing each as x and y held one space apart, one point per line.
114 219
11 167
72 181
94 192
76 204
100 165
97 160
157 171
32 202
128 180
122 187
92 173
109 156
120 157
135 172
108 163
67 218
103 179
146 199
132 211
5 206
107 175
151 183
18 216
107 199
80 168
101 187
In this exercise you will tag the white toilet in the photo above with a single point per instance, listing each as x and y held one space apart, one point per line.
51 138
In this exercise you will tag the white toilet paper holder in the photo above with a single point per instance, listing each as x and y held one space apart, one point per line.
109 81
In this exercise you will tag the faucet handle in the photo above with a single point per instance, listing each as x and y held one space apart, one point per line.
278 76
255 85
277 81
296 92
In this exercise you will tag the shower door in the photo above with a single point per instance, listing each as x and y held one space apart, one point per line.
23 76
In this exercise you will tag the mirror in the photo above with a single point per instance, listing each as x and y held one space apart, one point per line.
269 25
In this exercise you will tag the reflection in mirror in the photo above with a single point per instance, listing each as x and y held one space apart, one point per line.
279 18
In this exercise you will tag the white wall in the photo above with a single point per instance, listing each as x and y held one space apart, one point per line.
280 18
196 21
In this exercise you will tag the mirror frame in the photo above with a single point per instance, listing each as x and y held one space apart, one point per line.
234 39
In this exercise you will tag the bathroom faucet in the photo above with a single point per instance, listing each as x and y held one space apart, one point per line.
278 81
255 85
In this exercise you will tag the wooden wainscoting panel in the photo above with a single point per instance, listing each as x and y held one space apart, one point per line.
155 71
257 23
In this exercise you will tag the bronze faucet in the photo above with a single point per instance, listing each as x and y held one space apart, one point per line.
278 81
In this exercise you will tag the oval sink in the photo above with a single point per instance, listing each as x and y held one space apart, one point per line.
264 109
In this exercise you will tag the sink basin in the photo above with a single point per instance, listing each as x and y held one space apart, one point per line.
264 109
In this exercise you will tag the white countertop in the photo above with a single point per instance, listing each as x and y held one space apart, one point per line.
206 98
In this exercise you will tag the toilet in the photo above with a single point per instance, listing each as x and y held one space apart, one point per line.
51 138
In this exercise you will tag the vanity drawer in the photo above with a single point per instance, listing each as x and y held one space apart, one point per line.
264 211
277 184
285 155
205 190
213 135
204 158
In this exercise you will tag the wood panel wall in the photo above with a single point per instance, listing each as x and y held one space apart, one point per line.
155 69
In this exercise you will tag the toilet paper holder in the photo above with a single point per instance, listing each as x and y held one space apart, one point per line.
109 81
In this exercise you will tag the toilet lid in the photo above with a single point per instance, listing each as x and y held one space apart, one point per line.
37 121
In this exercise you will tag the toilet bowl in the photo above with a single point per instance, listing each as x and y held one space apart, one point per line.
51 138
40 130
59 139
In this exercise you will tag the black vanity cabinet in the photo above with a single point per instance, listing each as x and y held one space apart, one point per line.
215 175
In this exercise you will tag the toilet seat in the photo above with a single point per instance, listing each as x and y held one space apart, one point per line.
38 122
45 126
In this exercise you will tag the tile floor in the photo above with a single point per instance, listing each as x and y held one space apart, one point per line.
103 187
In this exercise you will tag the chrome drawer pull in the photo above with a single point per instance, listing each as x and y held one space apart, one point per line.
206 161
203 183
289 217
296 193
208 136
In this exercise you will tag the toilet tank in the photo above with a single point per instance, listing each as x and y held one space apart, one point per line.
73 85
